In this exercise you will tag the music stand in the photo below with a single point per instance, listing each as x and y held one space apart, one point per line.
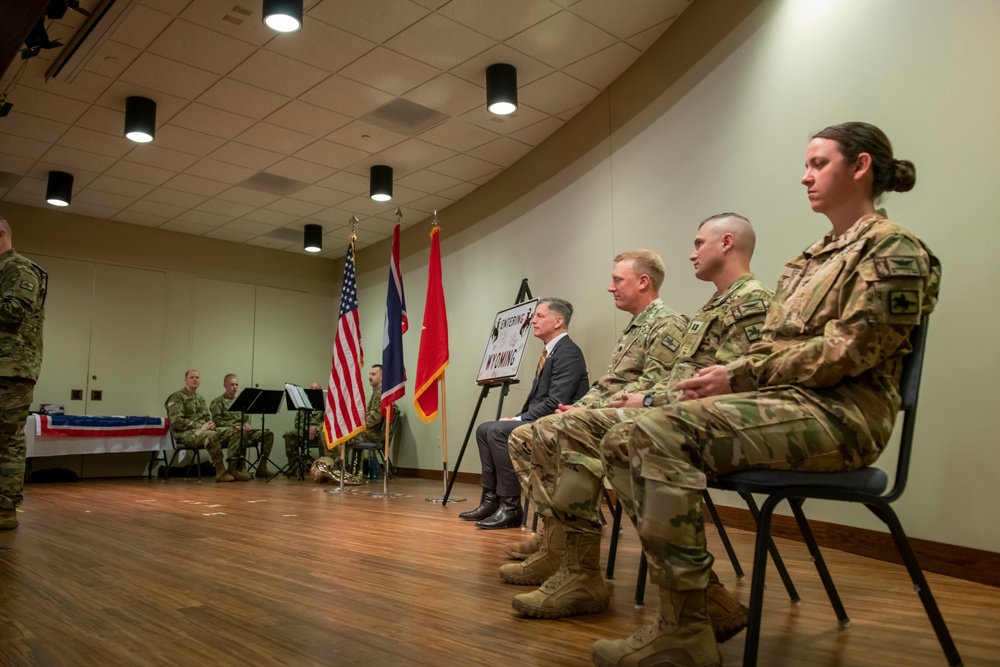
263 402
304 401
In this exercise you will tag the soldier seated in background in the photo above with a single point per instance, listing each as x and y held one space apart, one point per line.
192 426
313 428
374 419
224 418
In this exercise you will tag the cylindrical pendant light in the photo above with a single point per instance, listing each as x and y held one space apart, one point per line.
380 183
60 188
501 89
140 119
313 238
283 15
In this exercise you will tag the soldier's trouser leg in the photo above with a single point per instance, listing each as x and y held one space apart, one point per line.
265 439
670 450
519 446
202 439
15 399
291 444
567 473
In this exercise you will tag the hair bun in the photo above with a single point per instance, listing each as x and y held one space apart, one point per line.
904 176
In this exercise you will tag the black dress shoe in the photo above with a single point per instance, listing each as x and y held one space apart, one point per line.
487 506
508 515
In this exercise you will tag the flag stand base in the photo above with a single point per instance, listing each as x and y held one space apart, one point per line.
379 494
339 490
442 500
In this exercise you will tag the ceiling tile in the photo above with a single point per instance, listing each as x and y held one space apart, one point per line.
197 186
458 191
299 170
175 197
378 225
270 242
229 235
464 167
523 117
458 135
45 105
107 199
295 207
116 94
33 127
181 139
278 73
321 45
136 218
140 172
345 96
103 119
213 121
366 137
561 39
247 196
556 93
388 71
375 20
224 16
315 194
185 227
431 203
27 199
448 94
220 171
641 14
29 149
200 47
82 178
346 182
274 138
407 157
121 186
141 26
647 38
111 59
204 218
245 156
86 86
539 132
249 226
504 151
71 158
364 205
431 4
330 154
115 146
428 181
500 20
439 42
273 218
36 186
307 118
335 221
227 208
473 70
242 98
169 76
600 69
15 165
93 210
164 158
569 113
146 207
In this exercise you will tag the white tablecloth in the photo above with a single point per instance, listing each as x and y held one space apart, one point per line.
42 445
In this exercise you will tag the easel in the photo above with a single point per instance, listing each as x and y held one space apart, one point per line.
523 294
253 401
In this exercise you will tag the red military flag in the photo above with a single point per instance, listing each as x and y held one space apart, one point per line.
432 358
345 395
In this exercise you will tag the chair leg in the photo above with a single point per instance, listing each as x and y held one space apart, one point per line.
170 464
779 564
817 558
723 535
640 582
616 529
761 548
888 516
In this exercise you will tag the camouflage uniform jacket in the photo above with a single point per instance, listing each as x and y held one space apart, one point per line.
222 416
374 419
642 357
315 419
187 411
840 322
721 332
23 286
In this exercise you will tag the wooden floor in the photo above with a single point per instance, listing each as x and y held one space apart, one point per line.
138 572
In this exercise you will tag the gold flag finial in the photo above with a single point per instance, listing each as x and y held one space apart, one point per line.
399 216
354 227
435 222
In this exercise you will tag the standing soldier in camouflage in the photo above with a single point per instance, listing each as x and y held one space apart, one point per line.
642 359
819 391
22 313
192 426
224 418
567 472
374 419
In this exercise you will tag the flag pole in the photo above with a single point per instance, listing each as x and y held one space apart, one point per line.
444 436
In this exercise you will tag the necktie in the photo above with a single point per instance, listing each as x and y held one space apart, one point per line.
541 361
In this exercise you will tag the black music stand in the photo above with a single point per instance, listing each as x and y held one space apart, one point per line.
253 401
301 458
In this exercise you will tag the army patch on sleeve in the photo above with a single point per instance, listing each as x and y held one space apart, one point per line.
671 343
753 332
749 308
27 285
904 302
899 266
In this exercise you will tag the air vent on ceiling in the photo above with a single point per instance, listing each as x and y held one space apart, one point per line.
271 184
8 180
405 117
284 234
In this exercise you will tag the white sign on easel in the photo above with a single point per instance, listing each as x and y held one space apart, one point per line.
505 345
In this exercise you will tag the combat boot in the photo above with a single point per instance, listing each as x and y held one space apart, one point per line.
523 549
221 474
576 588
234 470
542 564
680 637
263 472
8 519
728 616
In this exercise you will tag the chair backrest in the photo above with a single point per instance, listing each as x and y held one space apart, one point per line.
909 389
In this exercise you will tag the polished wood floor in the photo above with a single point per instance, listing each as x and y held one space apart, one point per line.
141 572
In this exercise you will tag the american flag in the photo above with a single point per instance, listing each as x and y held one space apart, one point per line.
345 397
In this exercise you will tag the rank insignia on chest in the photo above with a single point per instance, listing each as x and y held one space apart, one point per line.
904 302
696 326
671 343
753 332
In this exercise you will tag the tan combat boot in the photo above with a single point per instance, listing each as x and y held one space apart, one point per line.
263 472
542 564
523 549
8 519
221 474
234 470
576 588
728 616
680 637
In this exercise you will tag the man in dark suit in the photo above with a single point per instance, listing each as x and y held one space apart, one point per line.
561 377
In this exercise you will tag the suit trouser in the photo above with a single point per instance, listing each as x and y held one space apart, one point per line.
498 470
658 463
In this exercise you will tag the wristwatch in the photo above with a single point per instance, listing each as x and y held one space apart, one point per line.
647 401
